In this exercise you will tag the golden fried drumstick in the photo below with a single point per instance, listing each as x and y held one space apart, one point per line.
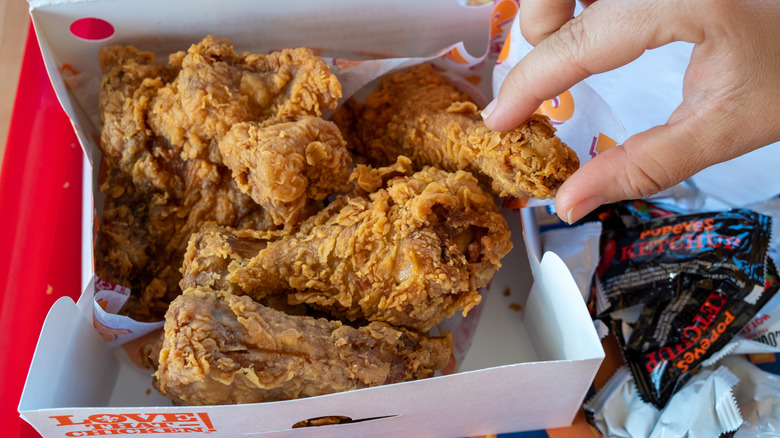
220 348
417 112
411 253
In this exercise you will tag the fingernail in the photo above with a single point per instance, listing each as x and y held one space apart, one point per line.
489 109
584 207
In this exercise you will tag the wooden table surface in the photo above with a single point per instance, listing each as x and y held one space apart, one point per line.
14 23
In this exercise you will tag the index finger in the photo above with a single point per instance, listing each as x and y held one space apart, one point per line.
541 18
606 35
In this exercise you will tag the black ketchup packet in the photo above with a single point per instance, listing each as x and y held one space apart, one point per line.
630 213
657 259
672 338
698 280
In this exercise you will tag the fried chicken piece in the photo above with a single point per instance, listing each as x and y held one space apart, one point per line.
220 348
160 126
131 78
284 166
155 199
417 112
217 88
410 253
144 352
211 251
142 238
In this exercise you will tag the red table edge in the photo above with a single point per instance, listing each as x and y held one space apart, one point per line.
40 226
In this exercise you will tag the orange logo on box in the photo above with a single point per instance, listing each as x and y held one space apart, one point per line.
454 55
504 53
559 109
601 144
503 13
129 424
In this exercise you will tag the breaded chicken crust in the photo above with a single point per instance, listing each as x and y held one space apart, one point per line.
165 177
220 348
410 253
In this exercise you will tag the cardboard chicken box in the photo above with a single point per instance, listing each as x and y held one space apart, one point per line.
531 350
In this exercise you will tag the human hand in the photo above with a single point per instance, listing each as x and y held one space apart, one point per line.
731 88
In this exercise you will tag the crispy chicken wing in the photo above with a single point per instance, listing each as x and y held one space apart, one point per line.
410 253
285 166
131 78
154 198
220 348
417 112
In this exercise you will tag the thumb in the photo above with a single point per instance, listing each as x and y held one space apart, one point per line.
647 163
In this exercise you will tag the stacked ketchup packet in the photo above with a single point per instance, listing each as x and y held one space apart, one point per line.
677 288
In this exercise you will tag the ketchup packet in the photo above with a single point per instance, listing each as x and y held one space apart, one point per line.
672 338
698 280
655 260
631 213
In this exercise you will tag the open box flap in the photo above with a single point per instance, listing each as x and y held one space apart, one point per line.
556 309
71 365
